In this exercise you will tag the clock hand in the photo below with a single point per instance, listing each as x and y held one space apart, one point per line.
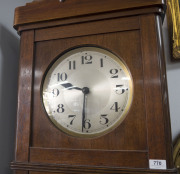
83 112
69 86
85 91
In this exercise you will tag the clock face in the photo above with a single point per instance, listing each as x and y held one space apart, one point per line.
87 92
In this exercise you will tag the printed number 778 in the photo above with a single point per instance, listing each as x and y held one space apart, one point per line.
157 163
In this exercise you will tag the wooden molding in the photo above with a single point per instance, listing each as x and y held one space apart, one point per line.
45 10
60 169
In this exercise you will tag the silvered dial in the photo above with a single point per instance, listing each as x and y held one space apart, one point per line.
87 92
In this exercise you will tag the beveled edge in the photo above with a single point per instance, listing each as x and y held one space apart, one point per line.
60 168
45 10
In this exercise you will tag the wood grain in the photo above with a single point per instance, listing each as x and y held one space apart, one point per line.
90 18
165 98
24 96
40 168
138 159
45 10
123 138
20 172
155 89
130 29
88 28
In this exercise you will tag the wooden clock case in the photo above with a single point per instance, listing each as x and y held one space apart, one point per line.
131 29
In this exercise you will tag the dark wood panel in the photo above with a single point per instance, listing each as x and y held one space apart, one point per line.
165 99
46 172
89 157
39 168
89 28
21 172
47 10
91 18
131 134
153 88
24 96
120 171
143 135
115 171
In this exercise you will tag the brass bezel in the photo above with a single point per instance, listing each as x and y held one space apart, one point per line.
125 69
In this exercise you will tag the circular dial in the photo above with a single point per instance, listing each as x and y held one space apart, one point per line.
87 92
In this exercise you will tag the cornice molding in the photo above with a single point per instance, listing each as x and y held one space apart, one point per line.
48 10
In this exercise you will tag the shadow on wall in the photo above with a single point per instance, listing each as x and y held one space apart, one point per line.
9 59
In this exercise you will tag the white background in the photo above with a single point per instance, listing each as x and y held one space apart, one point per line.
9 57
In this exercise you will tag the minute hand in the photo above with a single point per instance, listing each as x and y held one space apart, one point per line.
85 91
83 112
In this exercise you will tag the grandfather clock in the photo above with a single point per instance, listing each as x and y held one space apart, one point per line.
92 94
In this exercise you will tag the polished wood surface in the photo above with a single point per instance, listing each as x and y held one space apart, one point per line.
123 138
89 28
44 10
153 84
89 157
81 19
136 37
20 172
36 168
164 89
24 96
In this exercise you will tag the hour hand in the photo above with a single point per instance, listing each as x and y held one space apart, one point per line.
69 86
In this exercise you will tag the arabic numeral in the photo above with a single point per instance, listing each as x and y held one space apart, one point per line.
62 76
55 92
87 124
86 59
103 119
120 90
60 108
101 63
72 65
73 117
114 73
115 107
157 163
